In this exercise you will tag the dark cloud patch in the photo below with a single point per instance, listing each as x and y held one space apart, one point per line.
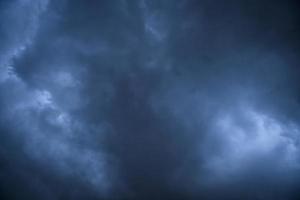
149 99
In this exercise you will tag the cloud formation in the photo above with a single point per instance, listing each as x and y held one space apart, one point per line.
149 99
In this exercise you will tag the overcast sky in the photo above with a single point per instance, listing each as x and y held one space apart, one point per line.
149 99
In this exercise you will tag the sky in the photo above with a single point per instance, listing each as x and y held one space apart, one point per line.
149 99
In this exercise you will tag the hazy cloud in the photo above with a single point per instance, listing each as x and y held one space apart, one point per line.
149 99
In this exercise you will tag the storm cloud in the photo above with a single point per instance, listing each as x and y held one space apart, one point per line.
149 99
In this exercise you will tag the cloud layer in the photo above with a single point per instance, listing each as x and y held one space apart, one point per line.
149 99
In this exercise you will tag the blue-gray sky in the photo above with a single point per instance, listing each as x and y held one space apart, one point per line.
149 99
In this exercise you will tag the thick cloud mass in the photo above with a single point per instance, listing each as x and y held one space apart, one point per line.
149 99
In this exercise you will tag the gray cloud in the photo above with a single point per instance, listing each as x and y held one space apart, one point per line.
149 99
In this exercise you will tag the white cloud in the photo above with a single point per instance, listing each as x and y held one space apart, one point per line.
243 145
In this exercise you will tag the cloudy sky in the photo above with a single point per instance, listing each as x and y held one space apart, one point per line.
149 99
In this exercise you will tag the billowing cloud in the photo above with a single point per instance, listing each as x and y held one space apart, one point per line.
149 99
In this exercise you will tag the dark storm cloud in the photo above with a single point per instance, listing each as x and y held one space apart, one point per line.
149 99
40 98
234 92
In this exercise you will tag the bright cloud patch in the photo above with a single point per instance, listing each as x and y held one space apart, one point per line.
250 138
